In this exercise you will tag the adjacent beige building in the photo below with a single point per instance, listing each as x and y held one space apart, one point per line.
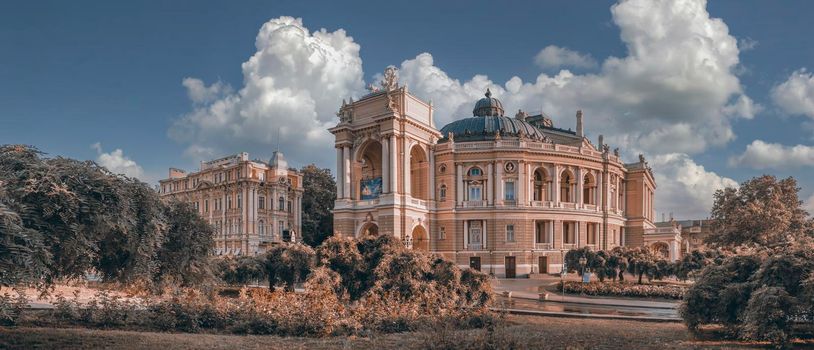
506 195
252 204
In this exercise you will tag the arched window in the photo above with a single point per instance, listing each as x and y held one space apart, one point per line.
475 171
539 186
565 187
588 189
261 229
281 204
442 193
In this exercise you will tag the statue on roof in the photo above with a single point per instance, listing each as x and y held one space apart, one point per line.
373 88
641 158
390 81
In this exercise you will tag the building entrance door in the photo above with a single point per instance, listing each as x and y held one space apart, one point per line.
543 264
511 267
474 263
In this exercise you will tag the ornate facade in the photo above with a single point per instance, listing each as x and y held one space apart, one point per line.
251 204
506 195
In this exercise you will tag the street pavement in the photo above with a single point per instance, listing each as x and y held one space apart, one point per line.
525 295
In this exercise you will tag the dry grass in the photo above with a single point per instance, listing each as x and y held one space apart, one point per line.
525 331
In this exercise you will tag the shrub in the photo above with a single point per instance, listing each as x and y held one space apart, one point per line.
11 308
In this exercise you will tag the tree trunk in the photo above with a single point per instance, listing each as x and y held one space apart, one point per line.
271 284
621 275
640 277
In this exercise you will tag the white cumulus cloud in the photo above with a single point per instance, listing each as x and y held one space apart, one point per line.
685 188
293 84
796 94
118 163
198 92
555 57
677 84
764 155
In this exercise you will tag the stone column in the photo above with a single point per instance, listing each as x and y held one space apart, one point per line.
340 181
459 183
385 165
580 183
529 185
490 184
346 171
484 236
394 174
406 167
466 234
431 182
520 187
555 182
499 197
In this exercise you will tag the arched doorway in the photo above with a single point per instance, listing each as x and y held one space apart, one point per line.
369 229
589 189
419 173
567 186
661 249
420 239
369 171
540 179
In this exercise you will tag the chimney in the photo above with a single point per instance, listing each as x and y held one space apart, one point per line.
601 141
579 123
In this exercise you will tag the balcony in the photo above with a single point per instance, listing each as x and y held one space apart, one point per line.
568 205
541 204
569 246
509 203
543 246
474 204
474 247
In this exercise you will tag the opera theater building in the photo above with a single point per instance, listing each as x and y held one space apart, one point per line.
504 194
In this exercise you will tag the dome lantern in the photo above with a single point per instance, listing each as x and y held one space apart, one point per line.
488 106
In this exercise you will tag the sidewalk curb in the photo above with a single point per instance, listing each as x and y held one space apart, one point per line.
590 303
591 316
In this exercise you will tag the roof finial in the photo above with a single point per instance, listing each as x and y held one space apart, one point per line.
488 93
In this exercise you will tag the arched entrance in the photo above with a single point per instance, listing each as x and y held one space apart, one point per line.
369 229
420 239
661 249
419 173
369 171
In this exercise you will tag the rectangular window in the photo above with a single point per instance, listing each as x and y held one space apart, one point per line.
541 232
568 234
591 233
289 206
239 201
442 233
443 192
509 190
261 202
206 205
509 233
229 202
474 193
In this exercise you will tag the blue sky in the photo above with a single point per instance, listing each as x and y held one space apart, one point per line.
103 80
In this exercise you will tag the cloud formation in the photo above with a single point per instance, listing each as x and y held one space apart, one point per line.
796 95
677 84
764 155
555 57
685 188
293 85
118 163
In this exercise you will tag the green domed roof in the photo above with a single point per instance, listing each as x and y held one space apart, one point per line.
487 121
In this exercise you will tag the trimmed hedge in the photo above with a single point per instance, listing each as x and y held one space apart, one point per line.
624 289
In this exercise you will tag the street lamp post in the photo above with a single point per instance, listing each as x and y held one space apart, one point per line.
582 262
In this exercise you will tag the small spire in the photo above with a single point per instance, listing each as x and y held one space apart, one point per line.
488 93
